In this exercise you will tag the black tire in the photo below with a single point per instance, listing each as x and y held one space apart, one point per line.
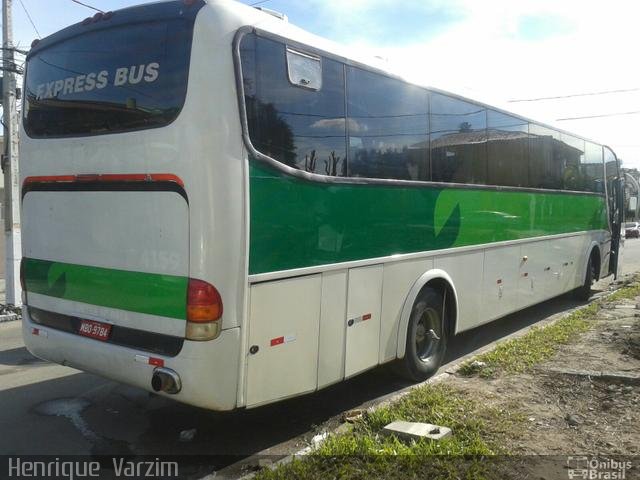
584 292
425 351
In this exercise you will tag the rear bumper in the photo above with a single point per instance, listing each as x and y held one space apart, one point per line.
208 370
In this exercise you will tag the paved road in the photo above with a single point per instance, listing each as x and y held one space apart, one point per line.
631 256
50 409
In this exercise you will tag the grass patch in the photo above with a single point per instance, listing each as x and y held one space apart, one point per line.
540 343
537 345
365 452
630 291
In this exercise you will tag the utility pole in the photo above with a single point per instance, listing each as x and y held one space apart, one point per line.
13 244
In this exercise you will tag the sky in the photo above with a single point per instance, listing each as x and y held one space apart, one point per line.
494 51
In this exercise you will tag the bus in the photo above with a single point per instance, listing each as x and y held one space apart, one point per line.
229 211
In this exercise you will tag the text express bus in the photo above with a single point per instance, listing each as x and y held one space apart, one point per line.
225 209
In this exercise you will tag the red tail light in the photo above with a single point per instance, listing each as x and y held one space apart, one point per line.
204 310
204 303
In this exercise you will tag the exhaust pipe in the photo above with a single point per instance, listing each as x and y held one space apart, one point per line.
166 380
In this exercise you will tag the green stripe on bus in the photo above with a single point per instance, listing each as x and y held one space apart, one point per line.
297 223
153 294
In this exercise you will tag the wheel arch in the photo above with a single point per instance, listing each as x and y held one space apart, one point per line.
440 280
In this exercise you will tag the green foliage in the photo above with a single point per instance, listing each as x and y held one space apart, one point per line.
630 291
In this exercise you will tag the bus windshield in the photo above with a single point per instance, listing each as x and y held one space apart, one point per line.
111 80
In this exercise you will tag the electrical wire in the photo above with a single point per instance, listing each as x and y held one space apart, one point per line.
588 94
30 19
88 6
636 112
15 50
258 3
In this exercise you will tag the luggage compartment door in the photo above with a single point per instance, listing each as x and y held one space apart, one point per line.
363 319
283 339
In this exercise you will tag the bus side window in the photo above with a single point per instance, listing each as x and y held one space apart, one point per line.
611 170
388 127
508 150
592 168
295 106
458 140
545 166
304 70
572 157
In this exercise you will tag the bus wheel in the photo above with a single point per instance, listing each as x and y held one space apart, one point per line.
426 337
584 292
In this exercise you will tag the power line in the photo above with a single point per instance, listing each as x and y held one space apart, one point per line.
588 94
14 49
88 6
258 3
12 70
636 112
30 19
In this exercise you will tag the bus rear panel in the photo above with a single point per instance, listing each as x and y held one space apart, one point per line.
112 180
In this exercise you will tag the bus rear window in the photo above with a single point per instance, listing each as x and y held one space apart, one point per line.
113 80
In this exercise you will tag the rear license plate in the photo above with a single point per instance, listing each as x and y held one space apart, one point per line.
97 330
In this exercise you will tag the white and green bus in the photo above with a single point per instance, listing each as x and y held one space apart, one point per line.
225 209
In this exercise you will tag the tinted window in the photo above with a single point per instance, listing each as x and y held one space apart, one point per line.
592 168
611 164
508 150
298 126
545 158
611 171
113 80
571 157
458 140
388 127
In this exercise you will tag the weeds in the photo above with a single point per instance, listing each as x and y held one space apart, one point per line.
540 343
366 452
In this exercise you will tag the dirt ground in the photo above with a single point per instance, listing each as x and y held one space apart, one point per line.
568 412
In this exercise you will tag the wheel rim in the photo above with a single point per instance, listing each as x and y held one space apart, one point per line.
427 334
